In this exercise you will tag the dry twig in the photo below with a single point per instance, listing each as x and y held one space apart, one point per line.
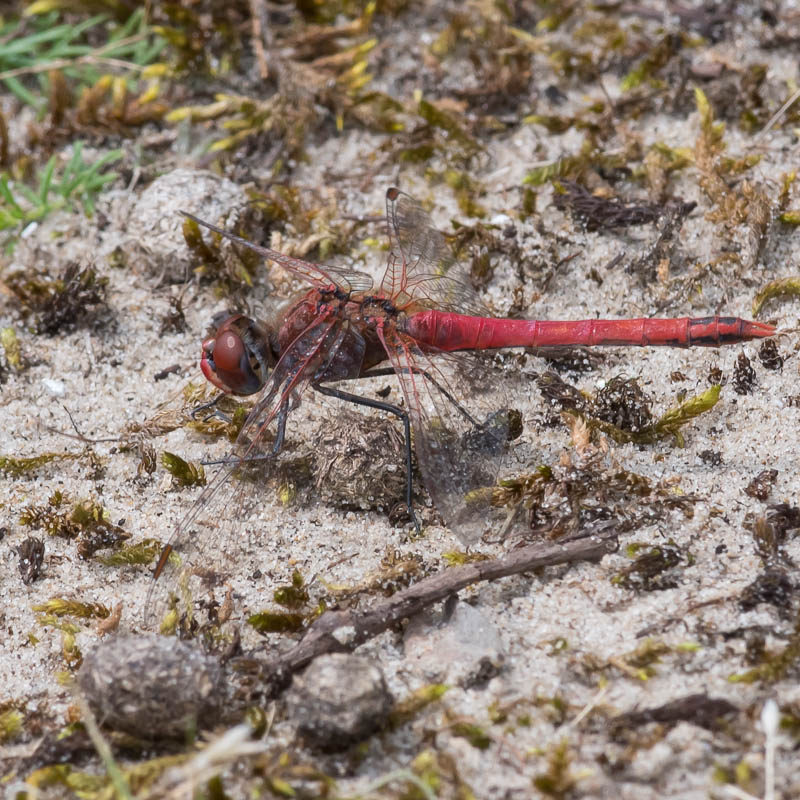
343 631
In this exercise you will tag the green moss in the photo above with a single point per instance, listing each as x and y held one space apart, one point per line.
276 622
185 473
473 733
558 780
10 724
61 607
18 466
780 288
668 425
409 707
776 665
293 596
86 521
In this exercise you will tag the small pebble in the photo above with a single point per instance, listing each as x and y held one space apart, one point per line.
462 648
29 230
155 226
339 700
55 387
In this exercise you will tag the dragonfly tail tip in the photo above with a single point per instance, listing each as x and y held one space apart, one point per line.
757 330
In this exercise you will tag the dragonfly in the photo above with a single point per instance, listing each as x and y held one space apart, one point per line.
422 324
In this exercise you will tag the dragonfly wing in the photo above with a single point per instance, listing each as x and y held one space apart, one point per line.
416 246
218 538
446 293
421 266
209 544
461 448
322 277
200 552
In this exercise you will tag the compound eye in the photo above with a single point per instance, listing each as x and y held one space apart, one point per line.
229 352
229 363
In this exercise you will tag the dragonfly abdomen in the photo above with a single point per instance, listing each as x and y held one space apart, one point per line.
448 331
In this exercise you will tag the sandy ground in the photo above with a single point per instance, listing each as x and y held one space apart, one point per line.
563 633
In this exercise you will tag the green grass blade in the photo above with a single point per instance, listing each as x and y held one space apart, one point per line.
31 196
148 52
68 46
71 175
7 221
5 191
130 26
105 159
91 22
46 179
65 51
27 45
16 88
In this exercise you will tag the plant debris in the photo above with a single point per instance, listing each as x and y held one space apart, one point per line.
771 531
141 553
699 709
663 257
12 351
775 665
86 521
396 572
358 462
595 212
781 288
19 466
31 558
185 473
653 569
60 607
744 376
761 486
215 262
559 780
10 723
175 320
294 595
277 622
588 499
773 586
76 299
769 356
625 403
711 457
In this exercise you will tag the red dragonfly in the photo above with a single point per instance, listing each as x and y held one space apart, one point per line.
412 326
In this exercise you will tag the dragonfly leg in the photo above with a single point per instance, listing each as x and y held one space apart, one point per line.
376 373
391 409
206 406
281 433
283 413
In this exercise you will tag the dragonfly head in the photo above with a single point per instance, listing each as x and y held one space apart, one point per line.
237 359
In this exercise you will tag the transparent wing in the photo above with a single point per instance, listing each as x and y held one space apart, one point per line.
323 277
421 266
416 247
445 293
218 539
463 427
